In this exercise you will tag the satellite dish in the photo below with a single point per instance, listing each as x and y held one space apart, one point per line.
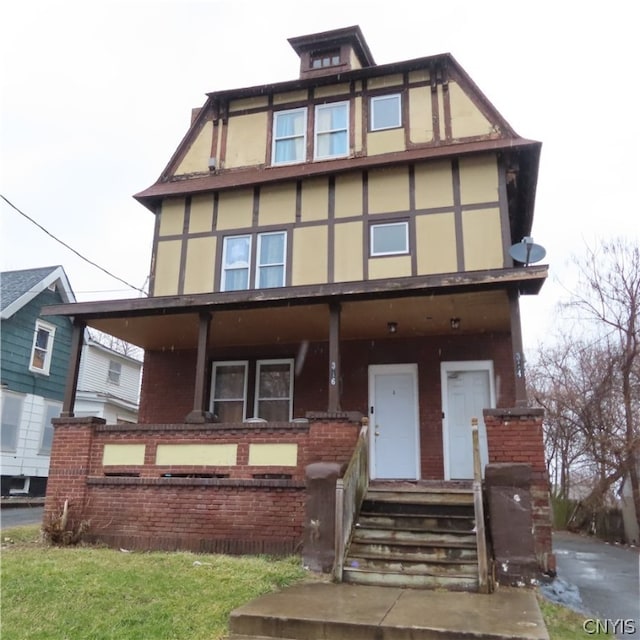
527 252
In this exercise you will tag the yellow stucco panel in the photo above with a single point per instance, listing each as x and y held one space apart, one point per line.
273 455
315 200
338 90
348 196
353 60
309 255
392 80
482 239
246 140
201 214
122 454
196 160
235 209
277 204
422 75
248 103
478 179
434 185
388 190
436 243
197 454
171 217
394 267
200 265
290 96
420 115
466 119
379 142
167 267
348 248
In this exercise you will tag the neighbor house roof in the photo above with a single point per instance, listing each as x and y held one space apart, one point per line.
17 288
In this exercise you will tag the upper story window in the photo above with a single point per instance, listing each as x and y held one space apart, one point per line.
289 136
42 347
324 59
332 130
269 272
390 239
386 112
11 415
115 371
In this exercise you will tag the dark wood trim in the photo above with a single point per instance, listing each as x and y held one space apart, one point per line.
154 250
366 116
365 226
73 369
413 233
404 112
457 213
214 217
186 219
446 105
435 106
298 201
224 120
334 375
331 230
200 413
505 225
518 351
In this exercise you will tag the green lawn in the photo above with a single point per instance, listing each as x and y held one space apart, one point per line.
94 593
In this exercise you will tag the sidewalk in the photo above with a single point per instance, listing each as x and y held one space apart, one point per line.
9 503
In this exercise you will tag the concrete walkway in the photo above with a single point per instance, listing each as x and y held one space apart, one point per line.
351 612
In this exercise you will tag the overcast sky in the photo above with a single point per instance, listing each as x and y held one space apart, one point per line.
97 95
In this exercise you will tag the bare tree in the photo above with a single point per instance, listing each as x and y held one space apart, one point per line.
116 344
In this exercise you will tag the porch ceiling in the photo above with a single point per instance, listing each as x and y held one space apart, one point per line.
479 312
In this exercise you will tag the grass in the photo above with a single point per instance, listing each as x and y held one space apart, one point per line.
76 593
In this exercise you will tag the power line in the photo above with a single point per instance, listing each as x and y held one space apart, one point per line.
64 244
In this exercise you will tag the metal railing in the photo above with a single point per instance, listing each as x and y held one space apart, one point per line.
478 506
350 492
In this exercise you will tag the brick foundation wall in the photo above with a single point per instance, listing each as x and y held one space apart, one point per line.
515 435
239 508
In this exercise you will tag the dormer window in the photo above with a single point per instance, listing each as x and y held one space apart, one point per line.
324 59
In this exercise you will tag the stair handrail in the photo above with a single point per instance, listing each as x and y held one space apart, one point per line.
478 507
350 492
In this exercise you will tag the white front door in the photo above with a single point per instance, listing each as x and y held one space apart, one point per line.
393 419
467 389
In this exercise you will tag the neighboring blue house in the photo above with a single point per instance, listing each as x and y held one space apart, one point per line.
34 359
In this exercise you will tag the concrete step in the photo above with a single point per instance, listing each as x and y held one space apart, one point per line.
416 522
413 567
419 538
413 553
405 579
448 497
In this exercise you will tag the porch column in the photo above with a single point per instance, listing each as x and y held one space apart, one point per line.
334 357
199 413
516 346
77 338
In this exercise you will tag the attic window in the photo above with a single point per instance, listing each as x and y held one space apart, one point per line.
325 59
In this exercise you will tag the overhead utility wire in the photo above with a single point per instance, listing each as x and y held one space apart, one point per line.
64 244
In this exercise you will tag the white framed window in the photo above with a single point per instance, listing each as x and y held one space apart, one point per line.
115 372
274 390
331 130
51 411
390 238
10 426
272 250
236 258
229 390
42 347
386 112
289 136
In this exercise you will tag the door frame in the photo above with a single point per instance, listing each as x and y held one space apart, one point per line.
464 366
381 369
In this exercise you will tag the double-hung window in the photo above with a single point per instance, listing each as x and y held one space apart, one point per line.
270 258
389 239
229 391
51 411
114 372
274 390
332 130
386 112
42 348
289 136
11 415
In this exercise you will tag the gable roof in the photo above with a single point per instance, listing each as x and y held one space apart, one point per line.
17 288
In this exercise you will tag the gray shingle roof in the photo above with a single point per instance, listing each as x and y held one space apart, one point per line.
14 284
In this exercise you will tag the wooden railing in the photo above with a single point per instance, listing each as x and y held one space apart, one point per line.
481 540
350 492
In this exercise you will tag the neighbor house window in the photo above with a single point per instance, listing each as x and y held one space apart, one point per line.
274 390
229 391
42 347
11 413
269 272
51 411
289 136
389 239
386 112
325 59
114 372
331 130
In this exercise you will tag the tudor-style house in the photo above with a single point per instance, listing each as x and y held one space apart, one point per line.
326 249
